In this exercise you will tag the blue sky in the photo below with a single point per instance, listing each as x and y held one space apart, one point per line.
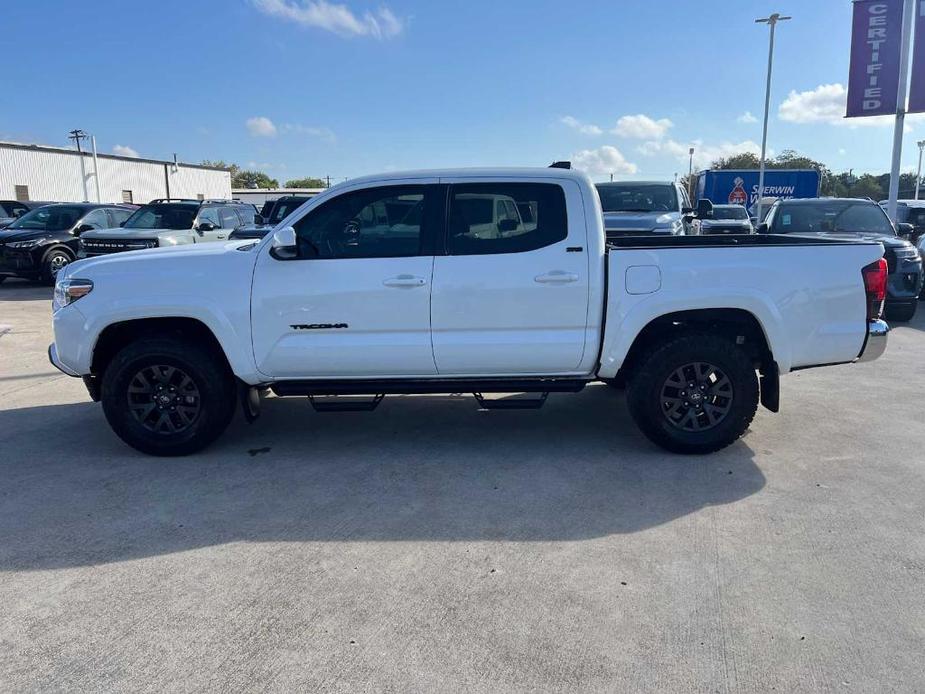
297 87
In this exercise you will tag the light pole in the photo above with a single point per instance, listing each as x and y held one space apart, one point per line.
918 176
771 22
77 135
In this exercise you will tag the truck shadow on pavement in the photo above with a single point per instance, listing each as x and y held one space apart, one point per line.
420 468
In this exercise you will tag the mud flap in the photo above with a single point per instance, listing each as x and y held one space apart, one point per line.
770 387
250 402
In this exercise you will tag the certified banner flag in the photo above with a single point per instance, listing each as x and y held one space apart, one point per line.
917 91
876 42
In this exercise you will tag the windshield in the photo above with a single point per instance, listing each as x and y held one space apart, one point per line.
163 216
834 216
729 212
636 197
51 218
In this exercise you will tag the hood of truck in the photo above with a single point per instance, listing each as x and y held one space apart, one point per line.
165 256
640 221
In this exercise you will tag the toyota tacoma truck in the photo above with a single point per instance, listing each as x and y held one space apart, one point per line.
393 284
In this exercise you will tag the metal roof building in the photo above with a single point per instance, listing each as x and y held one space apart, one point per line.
40 172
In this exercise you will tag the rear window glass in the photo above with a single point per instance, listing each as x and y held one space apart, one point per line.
505 217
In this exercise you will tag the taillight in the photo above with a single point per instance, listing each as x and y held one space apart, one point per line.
875 286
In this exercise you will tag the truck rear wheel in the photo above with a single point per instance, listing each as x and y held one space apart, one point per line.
167 396
695 394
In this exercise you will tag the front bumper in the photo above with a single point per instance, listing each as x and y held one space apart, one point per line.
875 344
17 263
56 362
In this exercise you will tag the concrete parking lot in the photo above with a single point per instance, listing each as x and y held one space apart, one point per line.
430 546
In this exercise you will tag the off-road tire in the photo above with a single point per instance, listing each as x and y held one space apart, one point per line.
214 383
645 393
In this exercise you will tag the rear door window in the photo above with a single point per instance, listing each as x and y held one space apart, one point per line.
487 218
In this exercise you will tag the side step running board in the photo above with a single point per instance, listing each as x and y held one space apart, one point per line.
511 403
430 385
330 403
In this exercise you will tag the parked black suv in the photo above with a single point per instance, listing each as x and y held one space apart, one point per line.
910 212
41 242
853 218
273 212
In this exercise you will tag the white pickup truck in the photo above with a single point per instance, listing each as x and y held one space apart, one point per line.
481 281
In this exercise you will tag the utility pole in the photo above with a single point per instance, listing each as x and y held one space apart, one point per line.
908 13
327 180
772 23
690 174
96 169
918 176
77 135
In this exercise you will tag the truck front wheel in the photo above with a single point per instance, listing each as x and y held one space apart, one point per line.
167 396
695 394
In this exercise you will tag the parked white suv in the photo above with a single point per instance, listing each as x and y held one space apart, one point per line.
401 284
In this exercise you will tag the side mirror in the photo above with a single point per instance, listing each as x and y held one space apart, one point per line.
704 209
907 231
285 244
507 225
762 228
206 226
82 228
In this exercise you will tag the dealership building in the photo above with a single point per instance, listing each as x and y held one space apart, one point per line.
59 174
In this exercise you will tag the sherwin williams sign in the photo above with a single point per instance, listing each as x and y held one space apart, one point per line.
876 41
917 93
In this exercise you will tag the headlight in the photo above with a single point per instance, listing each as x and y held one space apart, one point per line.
67 291
31 243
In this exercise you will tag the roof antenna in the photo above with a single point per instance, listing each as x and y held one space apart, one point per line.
561 165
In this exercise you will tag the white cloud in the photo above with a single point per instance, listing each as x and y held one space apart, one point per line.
824 104
321 133
704 155
261 126
583 128
603 160
747 117
124 151
641 127
827 104
338 19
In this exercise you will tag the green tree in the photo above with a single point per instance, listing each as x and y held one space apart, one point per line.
233 168
743 160
867 186
244 179
305 183
253 179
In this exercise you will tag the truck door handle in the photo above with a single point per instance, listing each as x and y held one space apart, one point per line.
404 281
221 236
556 277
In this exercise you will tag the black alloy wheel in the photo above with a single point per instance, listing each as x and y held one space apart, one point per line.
164 399
697 396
